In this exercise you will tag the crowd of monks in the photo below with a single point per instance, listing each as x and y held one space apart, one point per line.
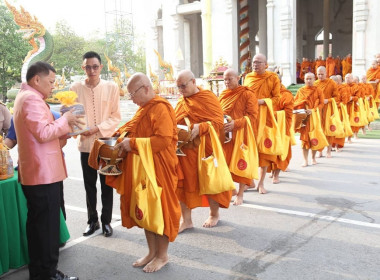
261 106
334 66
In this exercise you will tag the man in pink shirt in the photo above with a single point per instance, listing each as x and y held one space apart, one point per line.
101 101
41 168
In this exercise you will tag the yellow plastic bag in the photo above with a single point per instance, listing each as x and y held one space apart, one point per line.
373 109
213 173
346 121
268 138
333 124
285 139
146 208
358 118
317 137
245 158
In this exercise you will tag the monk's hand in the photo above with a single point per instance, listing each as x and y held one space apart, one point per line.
123 146
309 111
228 127
326 101
194 131
261 101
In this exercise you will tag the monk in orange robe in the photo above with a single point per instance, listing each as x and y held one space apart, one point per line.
237 101
354 94
264 84
347 65
305 68
344 96
319 62
285 103
155 119
308 97
199 106
338 65
330 66
373 76
330 91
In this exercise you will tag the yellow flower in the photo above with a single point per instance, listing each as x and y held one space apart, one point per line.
67 98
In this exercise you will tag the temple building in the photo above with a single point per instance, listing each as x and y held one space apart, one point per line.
195 34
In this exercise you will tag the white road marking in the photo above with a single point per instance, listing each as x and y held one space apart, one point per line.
312 215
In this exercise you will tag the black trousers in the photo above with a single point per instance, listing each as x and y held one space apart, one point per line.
90 177
42 229
62 200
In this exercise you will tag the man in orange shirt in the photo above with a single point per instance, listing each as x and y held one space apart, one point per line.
237 101
308 97
330 91
155 119
199 106
264 84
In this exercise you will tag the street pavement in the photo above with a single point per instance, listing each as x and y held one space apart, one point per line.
320 222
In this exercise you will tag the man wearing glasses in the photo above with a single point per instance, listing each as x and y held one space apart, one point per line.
264 84
199 106
101 101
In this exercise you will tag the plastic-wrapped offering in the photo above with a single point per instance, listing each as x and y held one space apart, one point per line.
68 99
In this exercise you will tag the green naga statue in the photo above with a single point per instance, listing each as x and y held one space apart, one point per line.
33 31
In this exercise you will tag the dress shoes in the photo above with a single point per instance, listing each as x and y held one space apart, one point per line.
90 229
107 230
60 276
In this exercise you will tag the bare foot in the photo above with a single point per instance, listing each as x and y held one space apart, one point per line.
270 175
328 155
261 189
211 221
143 261
349 142
184 226
238 200
304 164
338 150
314 162
234 192
319 155
155 264
275 181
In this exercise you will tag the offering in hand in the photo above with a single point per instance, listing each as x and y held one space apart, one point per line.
68 100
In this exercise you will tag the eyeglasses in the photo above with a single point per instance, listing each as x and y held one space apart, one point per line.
132 94
257 62
93 67
183 86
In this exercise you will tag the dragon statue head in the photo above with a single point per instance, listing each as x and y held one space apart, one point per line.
33 30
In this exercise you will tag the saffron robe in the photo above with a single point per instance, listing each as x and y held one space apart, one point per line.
155 120
238 103
307 98
198 108
265 85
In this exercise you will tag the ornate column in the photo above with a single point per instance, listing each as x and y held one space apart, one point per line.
288 43
270 32
179 43
360 16
326 28
206 36
244 37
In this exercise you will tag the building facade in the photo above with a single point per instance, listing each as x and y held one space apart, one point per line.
195 34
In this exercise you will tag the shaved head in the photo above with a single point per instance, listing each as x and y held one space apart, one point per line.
349 78
309 79
259 63
321 73
186 83
231 78
140 89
